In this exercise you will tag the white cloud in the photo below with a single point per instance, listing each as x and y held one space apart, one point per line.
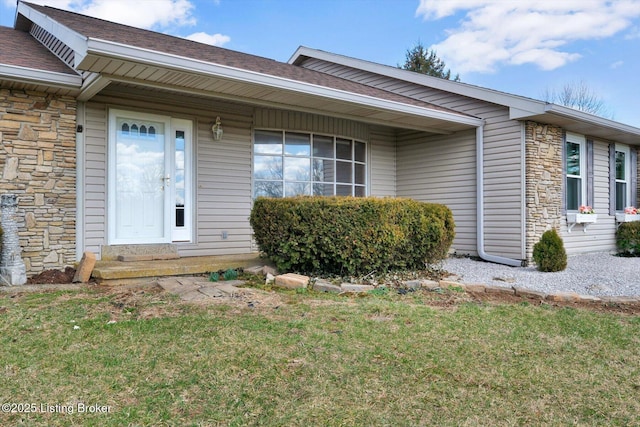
616 64
212 39
146 14
142 14
500 32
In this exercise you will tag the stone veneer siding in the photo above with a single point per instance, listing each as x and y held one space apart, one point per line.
543 158
38 161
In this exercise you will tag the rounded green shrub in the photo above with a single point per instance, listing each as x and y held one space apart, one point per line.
549 253
351 235
628 238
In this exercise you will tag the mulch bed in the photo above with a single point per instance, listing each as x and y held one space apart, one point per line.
50 277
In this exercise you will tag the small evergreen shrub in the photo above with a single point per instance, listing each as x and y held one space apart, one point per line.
351 235
549 253
628 238
231 274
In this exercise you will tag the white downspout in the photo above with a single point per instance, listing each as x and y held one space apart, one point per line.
480 205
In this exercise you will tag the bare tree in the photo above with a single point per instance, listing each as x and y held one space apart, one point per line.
578 95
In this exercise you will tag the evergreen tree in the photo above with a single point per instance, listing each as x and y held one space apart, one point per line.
426 61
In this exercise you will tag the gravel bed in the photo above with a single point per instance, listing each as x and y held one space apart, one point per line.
598 274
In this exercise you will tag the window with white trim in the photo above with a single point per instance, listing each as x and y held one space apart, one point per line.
576 179
623 177
289 164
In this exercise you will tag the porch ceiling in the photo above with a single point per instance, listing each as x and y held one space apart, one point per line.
257 89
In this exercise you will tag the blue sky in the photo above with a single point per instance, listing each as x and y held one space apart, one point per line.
524 47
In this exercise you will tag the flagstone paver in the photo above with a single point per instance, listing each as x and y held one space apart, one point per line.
194 289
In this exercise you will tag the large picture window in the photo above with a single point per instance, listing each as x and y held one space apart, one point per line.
289 164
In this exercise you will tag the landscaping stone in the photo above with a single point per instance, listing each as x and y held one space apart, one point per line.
475 288
499 290
528 293
191 296
291 281
227 288
270 278
256 270
430 285
267 269
449 283
351 287
591 298
85 268
211 291
619 300
324 286
412 284
563 297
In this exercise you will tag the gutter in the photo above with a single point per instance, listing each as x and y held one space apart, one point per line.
480 206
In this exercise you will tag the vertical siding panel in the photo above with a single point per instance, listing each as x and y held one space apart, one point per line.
95 173
382 169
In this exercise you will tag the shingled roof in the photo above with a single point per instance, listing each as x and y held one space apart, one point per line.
19 49
95 28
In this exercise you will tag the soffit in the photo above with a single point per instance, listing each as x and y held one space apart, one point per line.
274 93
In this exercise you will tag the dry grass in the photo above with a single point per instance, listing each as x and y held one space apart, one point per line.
291 359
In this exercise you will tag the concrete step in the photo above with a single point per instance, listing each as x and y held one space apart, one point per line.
139 252
135 272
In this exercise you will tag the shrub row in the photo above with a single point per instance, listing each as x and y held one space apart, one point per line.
628 238
349 235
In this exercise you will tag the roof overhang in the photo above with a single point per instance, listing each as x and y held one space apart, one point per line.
520 108
129 64
33 76
102 62
580 122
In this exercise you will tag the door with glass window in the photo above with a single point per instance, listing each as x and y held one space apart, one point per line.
149 178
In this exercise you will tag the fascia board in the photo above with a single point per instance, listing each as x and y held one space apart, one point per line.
520 114
45 78
125 52
464 89
590 118
74 40
93 84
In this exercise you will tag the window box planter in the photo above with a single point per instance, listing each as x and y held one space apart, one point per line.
578 218
623 217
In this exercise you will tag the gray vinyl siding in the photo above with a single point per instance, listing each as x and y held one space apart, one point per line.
503 146
382 159
599 237
425 174
223 169
95 177
292 120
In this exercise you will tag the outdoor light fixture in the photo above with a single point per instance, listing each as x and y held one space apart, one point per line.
216 129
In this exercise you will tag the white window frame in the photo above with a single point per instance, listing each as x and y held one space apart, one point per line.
582 143
627 178
353 162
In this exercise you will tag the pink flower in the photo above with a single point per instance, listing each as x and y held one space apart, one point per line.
585 209
631 210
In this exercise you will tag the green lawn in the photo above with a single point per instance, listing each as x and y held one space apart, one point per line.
313 360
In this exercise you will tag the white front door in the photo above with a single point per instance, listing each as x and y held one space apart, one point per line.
149 178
